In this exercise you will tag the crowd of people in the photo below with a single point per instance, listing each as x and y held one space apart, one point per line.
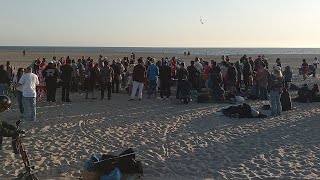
221 79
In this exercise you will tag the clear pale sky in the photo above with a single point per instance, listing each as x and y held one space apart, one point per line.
161 23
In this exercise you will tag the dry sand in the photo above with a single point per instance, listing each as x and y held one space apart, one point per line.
173 141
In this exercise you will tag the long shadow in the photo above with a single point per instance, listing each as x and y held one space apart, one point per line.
226 159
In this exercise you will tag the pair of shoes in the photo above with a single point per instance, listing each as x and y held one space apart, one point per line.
131 100
109 98
86 98
63 100
101 98
94 98
68 100
140 99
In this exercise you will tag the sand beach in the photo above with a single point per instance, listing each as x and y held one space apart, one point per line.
172 140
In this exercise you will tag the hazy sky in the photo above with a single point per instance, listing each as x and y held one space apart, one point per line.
163 23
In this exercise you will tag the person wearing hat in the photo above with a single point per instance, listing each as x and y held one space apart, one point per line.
6 129
275 89
50 73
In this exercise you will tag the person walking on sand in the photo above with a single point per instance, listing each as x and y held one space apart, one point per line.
29 81
139 77
275 90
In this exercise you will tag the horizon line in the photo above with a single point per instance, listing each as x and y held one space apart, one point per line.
157 47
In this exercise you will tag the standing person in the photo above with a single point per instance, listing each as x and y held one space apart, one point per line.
130 72
24 52
106 75
116 77
275 90
4 81
199 67
50 73
10 70
100 61
29 81
315 66
66 77
165 78
182 74
19 89
262 78
305 69
247 73
93 78
139 77
193 73
152 73
207 69
232 78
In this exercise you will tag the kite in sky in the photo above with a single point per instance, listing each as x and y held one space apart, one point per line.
201 20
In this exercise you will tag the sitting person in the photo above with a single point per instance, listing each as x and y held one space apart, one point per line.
304 94
285 100
315 95
6 129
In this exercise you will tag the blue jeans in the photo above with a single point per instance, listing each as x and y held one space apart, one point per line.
263 93
275 102
19 98
4 89
29 103
152 88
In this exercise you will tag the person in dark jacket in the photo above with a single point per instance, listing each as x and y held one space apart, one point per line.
139 76
66 77
165 78
6 129
115 80
182 74
92 78
106 75
50 73
4 81
193 73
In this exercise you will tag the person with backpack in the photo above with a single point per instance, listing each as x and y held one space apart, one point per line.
275 90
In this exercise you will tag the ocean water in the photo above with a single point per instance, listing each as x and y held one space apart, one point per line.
195 51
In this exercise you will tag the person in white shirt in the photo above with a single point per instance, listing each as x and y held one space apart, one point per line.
18 91
29 81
